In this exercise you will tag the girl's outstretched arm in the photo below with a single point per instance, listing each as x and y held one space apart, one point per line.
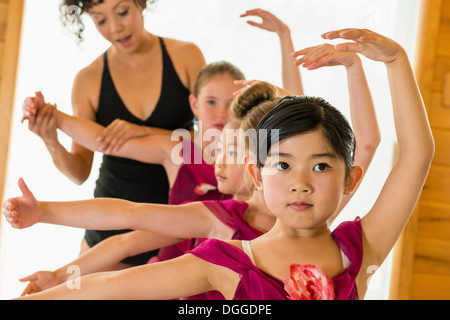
101 257
154 148
292 80
119 131
386 220
180 277
191 220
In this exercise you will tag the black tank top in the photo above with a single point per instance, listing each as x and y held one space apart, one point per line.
132 180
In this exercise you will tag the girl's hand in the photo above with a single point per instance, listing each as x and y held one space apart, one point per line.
21 212
117 133
373 45
31 105
244 84
324 55
44 125
269 21
39 281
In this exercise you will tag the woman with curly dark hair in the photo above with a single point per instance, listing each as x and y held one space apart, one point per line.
140 85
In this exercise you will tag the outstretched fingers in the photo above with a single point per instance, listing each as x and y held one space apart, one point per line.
10 214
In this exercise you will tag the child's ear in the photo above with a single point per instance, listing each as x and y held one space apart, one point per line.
353 180
193 103
253 170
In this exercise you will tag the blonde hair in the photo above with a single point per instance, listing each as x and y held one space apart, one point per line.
216 68
251 105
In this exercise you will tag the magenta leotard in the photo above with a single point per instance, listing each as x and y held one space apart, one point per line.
257 285
195 180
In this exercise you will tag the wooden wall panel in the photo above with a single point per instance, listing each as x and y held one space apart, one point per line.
443 46
11 13
437 186
426 286
421 268
442 155
3 19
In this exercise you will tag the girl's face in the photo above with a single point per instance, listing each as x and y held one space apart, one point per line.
211 106
303 181
120 22
229 168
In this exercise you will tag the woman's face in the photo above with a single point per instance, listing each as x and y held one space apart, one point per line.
120 22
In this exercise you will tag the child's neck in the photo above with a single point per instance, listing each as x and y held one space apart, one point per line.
280 229
257 214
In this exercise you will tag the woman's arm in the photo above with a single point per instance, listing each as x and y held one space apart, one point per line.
119 131
75 164
292 80
154 149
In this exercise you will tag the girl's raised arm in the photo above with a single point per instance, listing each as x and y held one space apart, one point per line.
362 110
292 80
386 220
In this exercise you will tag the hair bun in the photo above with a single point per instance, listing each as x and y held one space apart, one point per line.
255 94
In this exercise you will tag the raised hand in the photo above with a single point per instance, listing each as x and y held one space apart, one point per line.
39 281
324 55
371 44
21 212
44 125
31 105
269 21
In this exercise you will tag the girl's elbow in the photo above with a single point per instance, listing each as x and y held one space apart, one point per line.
80 179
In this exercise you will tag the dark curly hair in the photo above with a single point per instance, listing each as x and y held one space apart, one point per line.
71 10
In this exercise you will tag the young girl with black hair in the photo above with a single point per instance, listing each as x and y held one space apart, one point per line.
304 175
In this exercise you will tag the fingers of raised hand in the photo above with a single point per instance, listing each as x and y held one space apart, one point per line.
310 57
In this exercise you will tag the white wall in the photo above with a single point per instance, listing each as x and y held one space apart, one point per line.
50 60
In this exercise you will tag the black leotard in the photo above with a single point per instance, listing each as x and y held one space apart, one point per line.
132 180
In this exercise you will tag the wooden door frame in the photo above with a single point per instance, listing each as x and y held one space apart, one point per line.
8 76
425 55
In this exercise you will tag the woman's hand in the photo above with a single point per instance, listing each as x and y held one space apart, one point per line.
31 105
44 125
117 133
372 45
21 212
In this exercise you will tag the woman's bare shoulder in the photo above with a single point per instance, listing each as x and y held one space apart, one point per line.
86 86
